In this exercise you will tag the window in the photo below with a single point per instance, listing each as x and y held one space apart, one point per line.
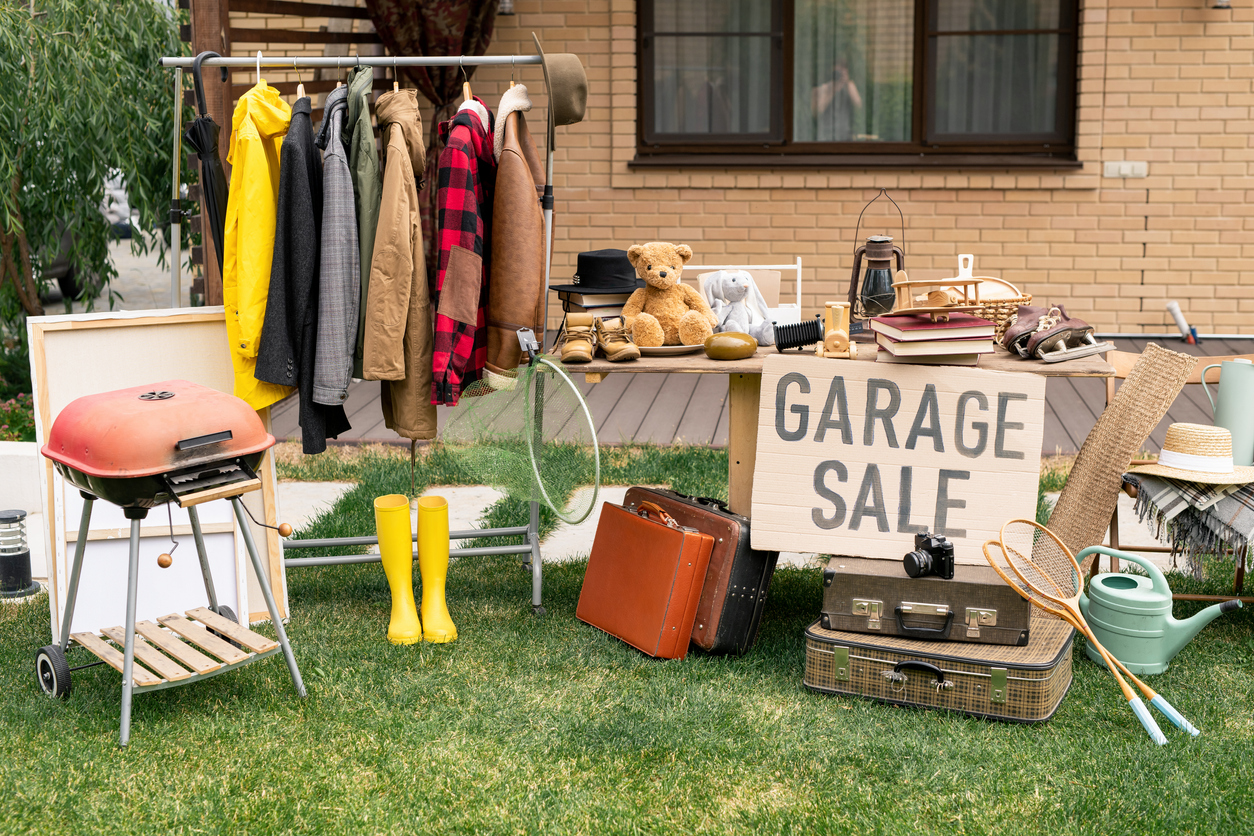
862 81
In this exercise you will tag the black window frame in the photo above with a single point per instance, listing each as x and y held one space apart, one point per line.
1055 149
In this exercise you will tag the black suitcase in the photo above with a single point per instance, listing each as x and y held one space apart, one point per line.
861 595
730 609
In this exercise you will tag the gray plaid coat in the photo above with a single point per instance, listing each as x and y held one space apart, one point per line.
340 279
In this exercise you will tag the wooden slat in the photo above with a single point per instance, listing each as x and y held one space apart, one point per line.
184 652
148 654
700 419
114 658
220 492
621 425
289 36
253 641
202 638
284 7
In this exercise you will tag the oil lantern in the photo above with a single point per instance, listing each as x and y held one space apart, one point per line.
876 295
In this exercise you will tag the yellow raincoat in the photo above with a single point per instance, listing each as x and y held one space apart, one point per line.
257 130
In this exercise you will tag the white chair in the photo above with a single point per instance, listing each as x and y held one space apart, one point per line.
766 277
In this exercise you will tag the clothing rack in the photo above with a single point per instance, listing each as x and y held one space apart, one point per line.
530 533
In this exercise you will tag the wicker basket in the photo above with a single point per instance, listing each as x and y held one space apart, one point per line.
999 311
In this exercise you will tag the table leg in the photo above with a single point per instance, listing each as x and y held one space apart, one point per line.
743 391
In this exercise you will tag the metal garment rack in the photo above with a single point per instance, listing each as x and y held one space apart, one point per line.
531 532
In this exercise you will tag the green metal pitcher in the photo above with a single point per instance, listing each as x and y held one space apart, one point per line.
1234 409
1131 615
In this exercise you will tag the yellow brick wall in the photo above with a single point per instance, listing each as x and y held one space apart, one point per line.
1170 82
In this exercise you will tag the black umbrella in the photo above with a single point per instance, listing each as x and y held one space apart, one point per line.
202 136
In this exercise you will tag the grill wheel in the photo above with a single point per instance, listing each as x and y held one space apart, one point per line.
53 671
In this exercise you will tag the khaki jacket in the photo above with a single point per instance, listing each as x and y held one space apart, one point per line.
398 340
516 289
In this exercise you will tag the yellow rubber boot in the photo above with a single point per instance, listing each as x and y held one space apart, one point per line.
391 522
433 563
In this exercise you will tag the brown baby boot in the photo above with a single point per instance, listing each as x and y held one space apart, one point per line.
614 339
577 339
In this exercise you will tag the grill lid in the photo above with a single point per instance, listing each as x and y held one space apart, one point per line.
147 430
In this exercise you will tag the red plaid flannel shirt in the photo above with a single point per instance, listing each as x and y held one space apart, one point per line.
466 181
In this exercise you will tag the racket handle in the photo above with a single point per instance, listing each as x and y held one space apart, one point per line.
1173 715
1142 714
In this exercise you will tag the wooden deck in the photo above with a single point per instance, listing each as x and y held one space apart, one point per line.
692 408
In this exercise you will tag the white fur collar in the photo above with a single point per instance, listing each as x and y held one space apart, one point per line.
514 99
478 109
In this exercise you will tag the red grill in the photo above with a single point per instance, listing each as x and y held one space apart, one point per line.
147 445
172 441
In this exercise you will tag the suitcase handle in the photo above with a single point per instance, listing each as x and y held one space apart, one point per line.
647 507
925 667
940 633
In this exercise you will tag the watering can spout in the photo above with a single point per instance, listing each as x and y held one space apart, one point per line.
1180 633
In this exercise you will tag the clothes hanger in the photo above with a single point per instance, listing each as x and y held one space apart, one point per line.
396 87
338 84
300 84
258 66
511 72
467 96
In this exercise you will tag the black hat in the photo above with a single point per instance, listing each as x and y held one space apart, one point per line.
602 271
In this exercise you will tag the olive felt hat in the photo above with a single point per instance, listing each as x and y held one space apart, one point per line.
567 84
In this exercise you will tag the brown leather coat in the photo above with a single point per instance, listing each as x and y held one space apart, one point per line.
398 341
516 287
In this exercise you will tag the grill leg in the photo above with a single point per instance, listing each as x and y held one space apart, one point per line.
128 657
263 580
204 558
76 571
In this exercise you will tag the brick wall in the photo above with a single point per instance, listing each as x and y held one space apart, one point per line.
1163 81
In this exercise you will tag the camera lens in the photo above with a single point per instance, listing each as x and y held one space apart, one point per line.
918 563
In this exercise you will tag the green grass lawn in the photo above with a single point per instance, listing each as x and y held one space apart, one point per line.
546 725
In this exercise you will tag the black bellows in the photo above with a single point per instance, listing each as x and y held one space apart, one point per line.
798 334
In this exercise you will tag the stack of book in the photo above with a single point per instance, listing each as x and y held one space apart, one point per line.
917 339
597 304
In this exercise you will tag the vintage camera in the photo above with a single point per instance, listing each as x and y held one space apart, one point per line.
932 555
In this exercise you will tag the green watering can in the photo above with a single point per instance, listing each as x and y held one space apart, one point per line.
1131 615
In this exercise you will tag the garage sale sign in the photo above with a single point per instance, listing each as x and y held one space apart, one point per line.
855 458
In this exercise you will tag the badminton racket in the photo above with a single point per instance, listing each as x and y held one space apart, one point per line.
1047 568
1157 700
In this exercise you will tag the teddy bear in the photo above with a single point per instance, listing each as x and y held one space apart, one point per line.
739 305
665 311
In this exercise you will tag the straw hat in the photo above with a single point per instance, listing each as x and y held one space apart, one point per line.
1198 453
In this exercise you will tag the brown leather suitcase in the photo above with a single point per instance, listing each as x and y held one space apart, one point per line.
861 595
737 580
644 579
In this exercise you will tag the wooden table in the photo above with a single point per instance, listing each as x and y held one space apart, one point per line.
744 386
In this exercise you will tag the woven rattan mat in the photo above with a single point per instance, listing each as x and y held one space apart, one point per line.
1084 508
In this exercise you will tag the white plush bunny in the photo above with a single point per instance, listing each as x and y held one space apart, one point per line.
739 305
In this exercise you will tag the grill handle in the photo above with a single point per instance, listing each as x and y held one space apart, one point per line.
203 440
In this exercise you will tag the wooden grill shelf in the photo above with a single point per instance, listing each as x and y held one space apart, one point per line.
182 653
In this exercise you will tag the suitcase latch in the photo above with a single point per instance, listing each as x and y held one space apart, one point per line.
873 610
841 663
977 618
997 685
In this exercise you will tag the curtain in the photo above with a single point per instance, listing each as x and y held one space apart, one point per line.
434 27
853 70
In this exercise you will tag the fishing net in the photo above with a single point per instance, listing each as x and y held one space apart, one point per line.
532 438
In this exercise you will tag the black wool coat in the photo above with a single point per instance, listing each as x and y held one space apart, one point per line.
289 333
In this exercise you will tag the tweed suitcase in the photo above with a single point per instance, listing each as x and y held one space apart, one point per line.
644 579
730 609
1018 684
877 596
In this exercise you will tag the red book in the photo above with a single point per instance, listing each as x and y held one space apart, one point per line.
913 328
902 348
